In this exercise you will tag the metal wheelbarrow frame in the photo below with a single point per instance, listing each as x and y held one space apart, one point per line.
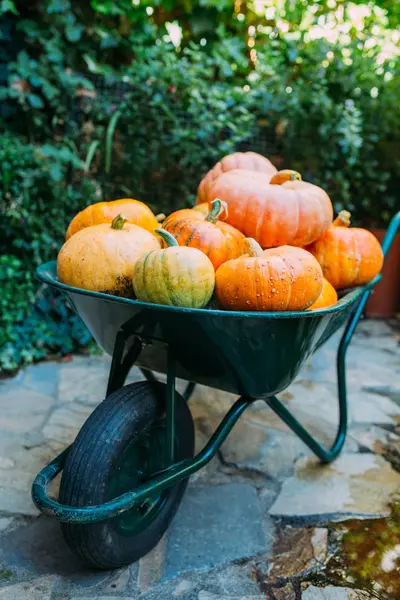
255 355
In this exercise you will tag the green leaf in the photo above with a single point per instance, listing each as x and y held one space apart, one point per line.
73 32
58 6
56 172
35 101
8 6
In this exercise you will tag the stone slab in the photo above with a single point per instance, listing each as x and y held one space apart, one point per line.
234 582
42 378
355 485
36 589
18 466
333 593
23 410
64 424
214 526
81 384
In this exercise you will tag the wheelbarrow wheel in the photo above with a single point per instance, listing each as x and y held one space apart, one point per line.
121 445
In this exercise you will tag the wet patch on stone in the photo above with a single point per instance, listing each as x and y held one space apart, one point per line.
368 555
297 553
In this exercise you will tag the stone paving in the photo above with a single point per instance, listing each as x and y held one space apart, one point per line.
257 523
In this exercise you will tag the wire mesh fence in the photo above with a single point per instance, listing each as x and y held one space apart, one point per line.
160 173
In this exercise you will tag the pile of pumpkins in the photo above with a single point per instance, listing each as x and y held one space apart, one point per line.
258 240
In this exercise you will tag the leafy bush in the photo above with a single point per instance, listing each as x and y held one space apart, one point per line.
33 321
35 204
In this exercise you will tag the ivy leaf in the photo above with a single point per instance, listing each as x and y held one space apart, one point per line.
35 101
58 6
55 172
8 6
73 33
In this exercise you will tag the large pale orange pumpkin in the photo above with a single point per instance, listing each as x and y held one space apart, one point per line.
349 256
218 240
135 212
278 279
280 211
239 160
101 258
327 297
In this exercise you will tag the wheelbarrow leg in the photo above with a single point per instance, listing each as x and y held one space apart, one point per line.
170 407
324 454
327 455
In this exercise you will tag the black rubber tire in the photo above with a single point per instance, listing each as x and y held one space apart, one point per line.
89 466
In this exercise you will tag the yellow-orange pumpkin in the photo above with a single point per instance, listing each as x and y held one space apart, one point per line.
239 160
278 279
203 208
174 276
135 212
327 297
218 240
286 211
349 256
101 258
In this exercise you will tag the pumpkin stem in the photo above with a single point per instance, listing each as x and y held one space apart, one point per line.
119 221
160 217
167 238
217 208
343 219
285 175
252 248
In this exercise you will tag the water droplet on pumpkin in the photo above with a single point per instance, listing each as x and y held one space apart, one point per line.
247 301
273 290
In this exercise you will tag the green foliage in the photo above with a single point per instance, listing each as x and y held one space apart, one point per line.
35 204
33 321
139 98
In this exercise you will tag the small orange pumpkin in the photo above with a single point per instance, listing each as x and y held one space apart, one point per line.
218 240
327 297
101 258
135 212
278 279
283 211
174 276
239 160
349 256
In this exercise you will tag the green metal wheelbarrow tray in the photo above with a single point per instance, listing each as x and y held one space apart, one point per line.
126 473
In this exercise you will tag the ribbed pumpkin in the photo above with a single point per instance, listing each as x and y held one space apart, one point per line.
203 208
101 258
174 276
279 279
349 256
182 215
218 240
327 297
283 211
104 212
239 160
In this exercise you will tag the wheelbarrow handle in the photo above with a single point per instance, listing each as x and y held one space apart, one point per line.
161 480
394 227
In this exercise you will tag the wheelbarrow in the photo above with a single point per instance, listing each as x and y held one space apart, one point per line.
124 476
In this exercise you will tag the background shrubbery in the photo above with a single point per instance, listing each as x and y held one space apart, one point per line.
105 99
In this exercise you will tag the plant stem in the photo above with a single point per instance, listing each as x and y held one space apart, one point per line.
167 237
119 221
